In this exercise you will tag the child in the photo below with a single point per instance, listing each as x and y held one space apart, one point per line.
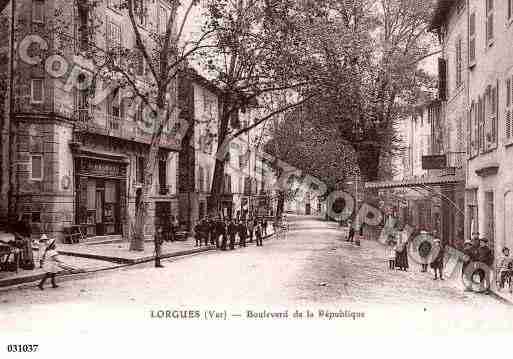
505 268
390 253
50 264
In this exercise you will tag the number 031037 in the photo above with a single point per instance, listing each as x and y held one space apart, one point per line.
22 348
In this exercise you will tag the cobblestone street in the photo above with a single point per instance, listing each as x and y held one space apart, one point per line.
309 266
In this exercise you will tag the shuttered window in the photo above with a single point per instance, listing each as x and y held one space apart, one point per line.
38 11
489 21
480 122
458 63
114 38
37 90
472 39
36 164
508 120
442 79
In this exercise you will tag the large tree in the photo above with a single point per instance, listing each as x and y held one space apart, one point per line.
366 54
254 60
146 69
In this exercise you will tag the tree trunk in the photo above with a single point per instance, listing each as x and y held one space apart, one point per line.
216 189
368 158
213 204
141 212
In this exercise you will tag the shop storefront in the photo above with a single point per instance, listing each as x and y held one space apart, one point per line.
101 187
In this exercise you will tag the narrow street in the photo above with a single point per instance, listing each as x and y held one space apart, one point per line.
308 267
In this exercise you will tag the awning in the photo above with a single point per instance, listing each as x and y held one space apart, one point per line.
418 182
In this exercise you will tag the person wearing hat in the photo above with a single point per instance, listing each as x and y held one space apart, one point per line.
467 250
390 252
158 241
437 263
485 256
40 247
425 248
50 264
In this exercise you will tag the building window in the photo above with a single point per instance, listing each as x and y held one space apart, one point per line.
459 76
208 180
227 183
38 11
163 19
491 118
508 121
201 179
141 66
489 22
510 9
36 167
37 90
139 169
442 79
141 12
114 4
114 38
472 39
163 177
83 27
472 131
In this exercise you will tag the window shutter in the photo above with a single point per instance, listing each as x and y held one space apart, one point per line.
508 124
489 20
442 79
472 38
495 112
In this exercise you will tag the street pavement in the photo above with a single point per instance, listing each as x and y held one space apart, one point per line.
309 266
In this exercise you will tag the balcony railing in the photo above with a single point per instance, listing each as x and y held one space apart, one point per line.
116 126
455 162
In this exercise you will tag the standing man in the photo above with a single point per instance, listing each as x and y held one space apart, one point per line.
211 231
437 263
197 234
258 234
251 226
158 239
350 237
232 230
242 233
485 256
223 233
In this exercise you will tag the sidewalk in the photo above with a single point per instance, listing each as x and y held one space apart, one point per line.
372 252
97 256
8 279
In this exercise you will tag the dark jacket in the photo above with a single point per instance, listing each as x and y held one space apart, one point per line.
485 256
438 261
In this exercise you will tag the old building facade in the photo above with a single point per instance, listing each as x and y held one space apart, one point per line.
75 162
485 64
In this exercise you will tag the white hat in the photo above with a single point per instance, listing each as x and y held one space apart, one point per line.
43 237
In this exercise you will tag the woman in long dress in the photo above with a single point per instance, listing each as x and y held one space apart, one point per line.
50 264
402 251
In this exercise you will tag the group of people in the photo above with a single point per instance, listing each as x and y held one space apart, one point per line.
223 232
477 253
430 252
